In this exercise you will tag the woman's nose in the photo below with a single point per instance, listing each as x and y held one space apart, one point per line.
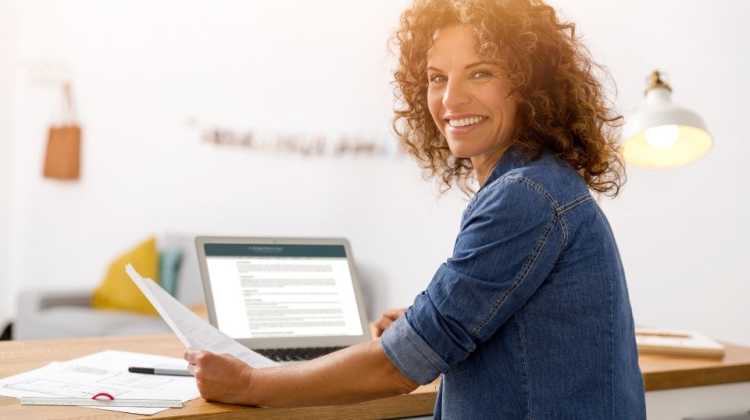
455 94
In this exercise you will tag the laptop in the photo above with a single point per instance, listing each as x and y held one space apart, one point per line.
286 298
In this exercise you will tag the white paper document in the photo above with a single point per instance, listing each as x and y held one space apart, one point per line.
193 332
105 372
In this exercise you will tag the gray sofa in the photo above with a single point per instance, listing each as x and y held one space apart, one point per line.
67 313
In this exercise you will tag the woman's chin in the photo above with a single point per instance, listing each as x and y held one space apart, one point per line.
460 152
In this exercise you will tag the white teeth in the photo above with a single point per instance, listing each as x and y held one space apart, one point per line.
463 122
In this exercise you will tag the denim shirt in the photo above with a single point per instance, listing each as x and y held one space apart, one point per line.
530 317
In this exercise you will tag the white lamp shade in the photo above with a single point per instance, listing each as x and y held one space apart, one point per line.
662 134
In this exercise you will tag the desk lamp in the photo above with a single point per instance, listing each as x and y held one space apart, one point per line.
661 133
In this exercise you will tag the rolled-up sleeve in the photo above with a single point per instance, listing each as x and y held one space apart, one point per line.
510 240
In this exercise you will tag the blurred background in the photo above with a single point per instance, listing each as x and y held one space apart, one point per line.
152 81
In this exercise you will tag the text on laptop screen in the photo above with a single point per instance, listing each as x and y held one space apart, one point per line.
272 290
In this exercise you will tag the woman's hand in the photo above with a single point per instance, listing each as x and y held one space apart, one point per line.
385 321
220 377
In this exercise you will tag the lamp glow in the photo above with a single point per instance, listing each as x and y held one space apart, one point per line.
662 137
662 134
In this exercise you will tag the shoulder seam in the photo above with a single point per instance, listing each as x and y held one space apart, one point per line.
557 211
531 184
575 203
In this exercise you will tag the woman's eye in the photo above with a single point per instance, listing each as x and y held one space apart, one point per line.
479 74
436 78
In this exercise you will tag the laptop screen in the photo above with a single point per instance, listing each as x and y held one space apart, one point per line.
282 290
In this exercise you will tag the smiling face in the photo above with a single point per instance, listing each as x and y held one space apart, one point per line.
468 97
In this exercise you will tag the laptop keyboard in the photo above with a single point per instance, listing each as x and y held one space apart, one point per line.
296 354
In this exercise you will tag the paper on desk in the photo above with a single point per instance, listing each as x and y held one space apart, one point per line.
104 372
193 332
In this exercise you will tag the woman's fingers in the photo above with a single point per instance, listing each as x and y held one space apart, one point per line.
377 327
374 331
394 314
386 319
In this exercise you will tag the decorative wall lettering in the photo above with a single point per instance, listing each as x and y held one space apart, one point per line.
293 144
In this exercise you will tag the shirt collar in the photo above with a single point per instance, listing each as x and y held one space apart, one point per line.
512 158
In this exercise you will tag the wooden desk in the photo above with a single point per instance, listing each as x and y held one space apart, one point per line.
21 356
660 374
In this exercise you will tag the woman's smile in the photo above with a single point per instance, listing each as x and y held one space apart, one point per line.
463 124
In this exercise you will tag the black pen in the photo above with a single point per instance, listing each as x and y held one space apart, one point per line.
158 371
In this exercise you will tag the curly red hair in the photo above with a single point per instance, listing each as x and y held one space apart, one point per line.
561 103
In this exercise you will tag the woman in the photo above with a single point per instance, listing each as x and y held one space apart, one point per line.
530 317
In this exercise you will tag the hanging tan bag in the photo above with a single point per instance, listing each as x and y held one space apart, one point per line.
63 156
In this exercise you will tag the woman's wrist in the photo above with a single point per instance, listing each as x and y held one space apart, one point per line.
250 378
264 386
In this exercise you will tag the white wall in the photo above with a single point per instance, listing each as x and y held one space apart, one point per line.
7 78
683 232
141 69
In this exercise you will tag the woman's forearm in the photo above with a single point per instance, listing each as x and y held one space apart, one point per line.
358 373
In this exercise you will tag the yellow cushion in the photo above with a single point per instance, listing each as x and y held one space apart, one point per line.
117 291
